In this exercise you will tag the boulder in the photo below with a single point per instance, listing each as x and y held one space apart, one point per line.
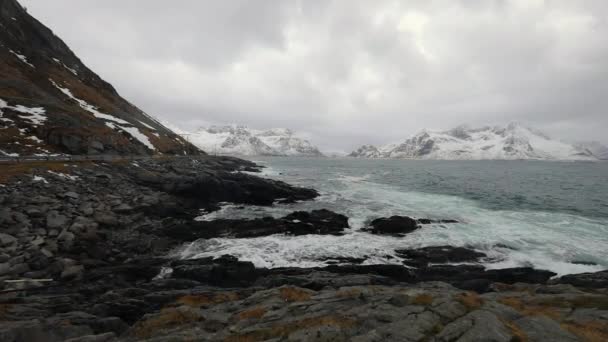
55 220
394 225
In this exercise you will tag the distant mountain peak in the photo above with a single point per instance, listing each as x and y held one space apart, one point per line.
512 141
241 140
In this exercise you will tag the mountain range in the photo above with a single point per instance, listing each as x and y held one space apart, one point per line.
50 102
241 140
511 142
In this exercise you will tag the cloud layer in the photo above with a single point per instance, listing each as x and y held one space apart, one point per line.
348 72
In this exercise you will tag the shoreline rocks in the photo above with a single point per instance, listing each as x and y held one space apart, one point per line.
101 237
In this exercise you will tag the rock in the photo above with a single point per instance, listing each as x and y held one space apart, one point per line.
55 220
107 337
5 268
588 280
478 325
19 269
297 223
438 254
71 194
394 225
6 239
225 271
540 328
106 218
72 272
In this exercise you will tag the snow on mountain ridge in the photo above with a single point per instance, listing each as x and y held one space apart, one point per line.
241 140
513 141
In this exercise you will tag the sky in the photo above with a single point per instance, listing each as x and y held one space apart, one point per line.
349 72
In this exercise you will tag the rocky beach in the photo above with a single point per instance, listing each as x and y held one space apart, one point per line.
87 255
113 227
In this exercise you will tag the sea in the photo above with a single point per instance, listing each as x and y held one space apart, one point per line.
544 214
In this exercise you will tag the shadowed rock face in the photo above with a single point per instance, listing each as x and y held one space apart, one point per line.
46 92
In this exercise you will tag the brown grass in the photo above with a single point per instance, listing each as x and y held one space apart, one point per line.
348 293
423 299
9 171
529 309
255 313
592 331
207 299
294 294
517 334
284 329
166 318
470 300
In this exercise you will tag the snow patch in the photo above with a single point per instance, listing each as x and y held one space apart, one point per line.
39 179
65 66
135 133
22 58
63 175
89 108
36 114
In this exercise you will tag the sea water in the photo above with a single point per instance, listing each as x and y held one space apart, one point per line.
547 215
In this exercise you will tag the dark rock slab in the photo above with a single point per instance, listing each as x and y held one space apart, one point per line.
322 222
394 225
587 280
225 271
438 255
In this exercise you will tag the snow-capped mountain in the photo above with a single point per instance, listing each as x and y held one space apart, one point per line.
599 150
463 143
240 140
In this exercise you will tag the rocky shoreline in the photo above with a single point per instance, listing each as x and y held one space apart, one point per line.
84 256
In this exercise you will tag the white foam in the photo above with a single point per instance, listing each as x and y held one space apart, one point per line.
544 240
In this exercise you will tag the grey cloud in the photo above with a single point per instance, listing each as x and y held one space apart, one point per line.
347 72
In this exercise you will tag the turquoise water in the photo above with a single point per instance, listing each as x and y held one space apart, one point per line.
549 215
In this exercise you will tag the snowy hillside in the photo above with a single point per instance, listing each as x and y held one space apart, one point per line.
240 140
599 150
463 143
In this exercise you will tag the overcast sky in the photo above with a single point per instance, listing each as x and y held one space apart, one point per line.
349 72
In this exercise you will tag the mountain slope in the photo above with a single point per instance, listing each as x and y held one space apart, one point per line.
462 143
240 140
50 102
599 150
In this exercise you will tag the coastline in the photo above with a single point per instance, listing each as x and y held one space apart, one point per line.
101 233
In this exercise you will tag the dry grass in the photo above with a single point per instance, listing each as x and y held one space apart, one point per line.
9 171
166 318
517 335
470 300
294 294
207 299
529 309
593 331
255 313
348 293
281 331
423 299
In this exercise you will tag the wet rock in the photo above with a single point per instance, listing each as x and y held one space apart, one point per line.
438 255
394 225
225 271
588 280
297 223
